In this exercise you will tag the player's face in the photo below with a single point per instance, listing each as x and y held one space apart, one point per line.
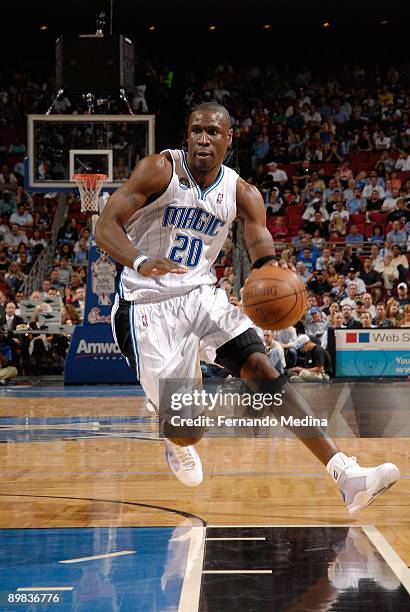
209 136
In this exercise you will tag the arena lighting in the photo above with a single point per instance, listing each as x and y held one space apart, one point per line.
212 28
152 28
44 28
267 26
326 24
384 22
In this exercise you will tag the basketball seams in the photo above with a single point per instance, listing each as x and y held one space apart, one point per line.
276 321
280 297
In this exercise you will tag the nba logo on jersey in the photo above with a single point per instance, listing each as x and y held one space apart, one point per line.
183 182
144 320
219 198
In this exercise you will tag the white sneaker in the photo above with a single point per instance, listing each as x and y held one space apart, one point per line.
360 486
185 463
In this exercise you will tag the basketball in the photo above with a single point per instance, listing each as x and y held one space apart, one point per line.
274 297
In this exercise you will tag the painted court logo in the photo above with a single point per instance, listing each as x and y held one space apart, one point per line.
357 337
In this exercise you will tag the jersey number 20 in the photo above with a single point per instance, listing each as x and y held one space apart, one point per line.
188 252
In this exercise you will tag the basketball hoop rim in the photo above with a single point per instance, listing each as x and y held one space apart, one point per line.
92 179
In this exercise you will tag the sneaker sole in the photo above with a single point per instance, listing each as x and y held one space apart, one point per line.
364 499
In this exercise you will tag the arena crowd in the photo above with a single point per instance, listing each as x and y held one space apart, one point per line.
331 158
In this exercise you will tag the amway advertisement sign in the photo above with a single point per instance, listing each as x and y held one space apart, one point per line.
93 357
373 352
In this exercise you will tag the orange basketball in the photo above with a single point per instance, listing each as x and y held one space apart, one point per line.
274 297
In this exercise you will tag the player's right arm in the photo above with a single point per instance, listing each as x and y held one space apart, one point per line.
151 176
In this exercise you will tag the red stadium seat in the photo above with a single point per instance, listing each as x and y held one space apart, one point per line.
377 217
293 229
357 218
297 209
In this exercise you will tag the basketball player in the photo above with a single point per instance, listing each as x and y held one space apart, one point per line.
166 226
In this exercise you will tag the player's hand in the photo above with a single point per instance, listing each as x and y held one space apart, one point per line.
159 267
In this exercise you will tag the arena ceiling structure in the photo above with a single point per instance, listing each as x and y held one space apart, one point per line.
336 31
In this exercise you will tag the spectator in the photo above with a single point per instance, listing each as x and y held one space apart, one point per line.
339 292
402 296
22 218
352 278
368 304
358 310
356 204
16 237
353 237
318 324
287 339
7 372
336 322
401 262
339 219
7 179
277 228
397 235
274 351
14 277
351 296
372 187
302 272
371 278
405 319
69 315
380 319
366 319
307 259
279 176
388 270
81 252
64 270
318 283
393 311
317 362
7 203
69 232
36 243
377 235
10 319
348 320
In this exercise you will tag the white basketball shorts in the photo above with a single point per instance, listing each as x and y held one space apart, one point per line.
166 339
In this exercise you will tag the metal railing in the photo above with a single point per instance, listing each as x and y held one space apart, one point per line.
44 262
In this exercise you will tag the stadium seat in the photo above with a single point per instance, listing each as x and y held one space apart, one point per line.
293 229
295 209
377 217
357 219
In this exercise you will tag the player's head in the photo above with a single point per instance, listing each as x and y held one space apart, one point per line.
209 135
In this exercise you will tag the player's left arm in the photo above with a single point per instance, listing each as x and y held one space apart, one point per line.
251 209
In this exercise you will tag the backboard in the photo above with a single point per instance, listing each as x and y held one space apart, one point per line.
62 145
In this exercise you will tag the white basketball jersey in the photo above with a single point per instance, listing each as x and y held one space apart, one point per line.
185 224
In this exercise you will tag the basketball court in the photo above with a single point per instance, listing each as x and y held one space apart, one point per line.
90 512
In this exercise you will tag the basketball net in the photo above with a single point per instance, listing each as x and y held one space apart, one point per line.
89 186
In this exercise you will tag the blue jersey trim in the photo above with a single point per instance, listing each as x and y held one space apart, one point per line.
202 194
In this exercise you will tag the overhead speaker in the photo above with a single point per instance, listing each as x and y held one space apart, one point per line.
96 64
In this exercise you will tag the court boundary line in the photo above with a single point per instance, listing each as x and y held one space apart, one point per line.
390 556
189 598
